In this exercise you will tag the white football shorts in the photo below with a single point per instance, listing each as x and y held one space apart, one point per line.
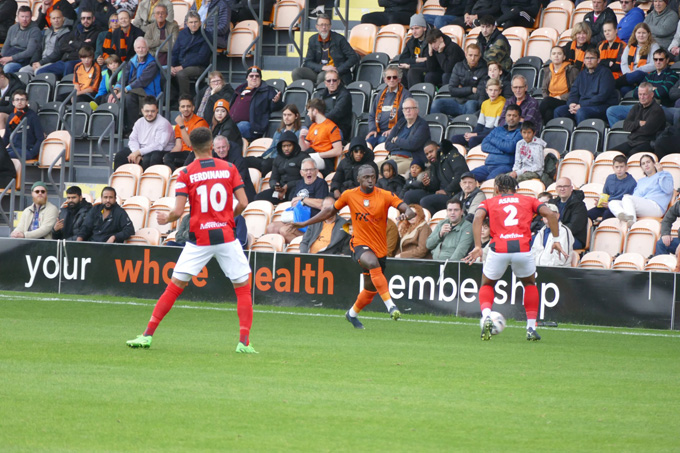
230 257
523 264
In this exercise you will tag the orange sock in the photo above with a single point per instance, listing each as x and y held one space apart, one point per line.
364 298
380 283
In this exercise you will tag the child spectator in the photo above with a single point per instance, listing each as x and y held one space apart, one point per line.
489 116
415 178
391 179
528 155
86 76
105 94
615 187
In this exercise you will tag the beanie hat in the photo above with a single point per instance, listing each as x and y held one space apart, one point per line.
221 103
418 161
38 184
418 20
254 69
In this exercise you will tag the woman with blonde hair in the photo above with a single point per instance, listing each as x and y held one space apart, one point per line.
413 236
637 61
574 50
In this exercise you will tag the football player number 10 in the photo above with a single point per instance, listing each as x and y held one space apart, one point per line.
217 198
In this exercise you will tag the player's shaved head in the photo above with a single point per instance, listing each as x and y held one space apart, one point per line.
364 169
201 141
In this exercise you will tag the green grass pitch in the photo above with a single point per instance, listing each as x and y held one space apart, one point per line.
69 383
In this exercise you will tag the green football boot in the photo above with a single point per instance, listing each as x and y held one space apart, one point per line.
140 342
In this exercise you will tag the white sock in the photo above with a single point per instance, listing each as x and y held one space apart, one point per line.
389 304
531 323
485 312
353 313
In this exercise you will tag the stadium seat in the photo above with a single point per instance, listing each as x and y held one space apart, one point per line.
371 68
242 38
345 214
437 123
596 260
154 181
602 167
180 9
52 147
258 146
137 209
661 263
461 125
589 134
564 38
455 32
461 149
557 15
255 177
592 192
50 118
81 119
517 37
362 38
581 10
278 84
671 164
145 236
608 237
531 188
424 94
390 40
488 187
642 237
163 204
294 245
126 180
41 87
380 153
101 118
258 215
576 166
557 133
634 164
278 211
298 93
264 182
552 189
361 96
287 13
629 262
432 7
436 218
541 41
64 87
475 157
172 181
472 35
269 243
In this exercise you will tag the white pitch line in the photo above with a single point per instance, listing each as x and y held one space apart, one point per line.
325 315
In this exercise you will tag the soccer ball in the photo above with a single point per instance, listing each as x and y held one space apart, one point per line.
498 322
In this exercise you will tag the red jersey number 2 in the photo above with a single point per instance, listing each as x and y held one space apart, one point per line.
217 198
511 219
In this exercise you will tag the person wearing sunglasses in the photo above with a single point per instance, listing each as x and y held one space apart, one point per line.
39 218
338 102
386 108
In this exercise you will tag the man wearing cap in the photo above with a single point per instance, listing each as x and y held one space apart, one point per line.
470 195
414 56
107 222
190 54
252 104
38 219
152 138
326 50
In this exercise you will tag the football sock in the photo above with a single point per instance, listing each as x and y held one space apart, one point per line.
380 283
244 308
163 306
486 295
531 323
364 298
531 304
485 312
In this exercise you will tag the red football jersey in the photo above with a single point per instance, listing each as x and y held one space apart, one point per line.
209 185
510 219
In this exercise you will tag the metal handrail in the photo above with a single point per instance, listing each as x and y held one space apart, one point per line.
10 187
121 110
62 114
168 75
60 191
198 84
211 43
22 157
291 30
108 156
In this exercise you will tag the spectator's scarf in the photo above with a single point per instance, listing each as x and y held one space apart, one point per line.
16 119
395 107
47 15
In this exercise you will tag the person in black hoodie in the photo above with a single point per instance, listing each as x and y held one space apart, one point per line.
476 9
396 12
443 56
72 217
338 103
390 178
346 175
518 13
285 170
8 14
414 56
107 222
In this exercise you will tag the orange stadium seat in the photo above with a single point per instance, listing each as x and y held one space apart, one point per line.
557 15
294 246
540 42
153 183
145 236
269 243
433 8
285 13
576 166
596 260
163 204
278 210
642 237
125 180
241 38
661 263
592 192
180 9
517 37
475 157
602 167
264 182
581 10
362 38
608 237
172 181
564 38
258 146
488 188
531 187
455 32
629 262
345 213
137 209
255 177
552 189
51 148
390 40
258 215
671 164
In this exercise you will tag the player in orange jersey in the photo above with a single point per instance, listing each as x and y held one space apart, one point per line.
368 206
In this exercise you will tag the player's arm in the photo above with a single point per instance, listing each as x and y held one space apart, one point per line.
554 225
480 215
325 213
406 212
240 195
165 218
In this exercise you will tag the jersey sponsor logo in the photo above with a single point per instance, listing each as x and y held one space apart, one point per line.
213 225
180 185
508 200
366 203
206 175
511 236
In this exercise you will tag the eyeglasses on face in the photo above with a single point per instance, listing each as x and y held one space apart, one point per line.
659 59
308 169
331 80
391 77
39 191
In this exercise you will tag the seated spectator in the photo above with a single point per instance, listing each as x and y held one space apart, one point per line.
558 77
518 13
527 104
222 124
39 218
611 49
290 121
396 12
575 50
476 11
592 93
122 39
668 244
50 43
442 180
528 155
33 129
143 79
323 140
452 237
572 210
495 71
454 13
8 171
651 196
8 14
185 122
489 116
146 13
9 83
408 137
663 22
222 18
634 61
346 175
494 45
162 27
285 171
443 54
644 122
105 91
190 54
470 195
125 5
151 139
386 108
72 216
596 18
107 222
633 16
674 46
414 56
310 191
413 235
616 185
500 145
338 102
87 76
83 34
414 181
465 85
218 89
106 34
541 248
326 49
390 179
327 237
252 104
22 42
101 10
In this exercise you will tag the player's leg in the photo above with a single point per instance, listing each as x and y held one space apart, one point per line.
524 267
376 266
493 269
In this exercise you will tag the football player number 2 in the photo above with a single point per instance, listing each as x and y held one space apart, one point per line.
511 219
217 198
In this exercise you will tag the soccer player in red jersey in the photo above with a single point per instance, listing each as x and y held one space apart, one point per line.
210 186
368 206
510 216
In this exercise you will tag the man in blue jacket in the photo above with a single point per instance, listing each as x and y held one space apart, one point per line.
500 146
593 91
190 55
252 104
634 16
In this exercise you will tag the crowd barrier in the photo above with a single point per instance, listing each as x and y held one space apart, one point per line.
590 297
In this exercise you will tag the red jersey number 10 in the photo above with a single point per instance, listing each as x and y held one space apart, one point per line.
217 198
